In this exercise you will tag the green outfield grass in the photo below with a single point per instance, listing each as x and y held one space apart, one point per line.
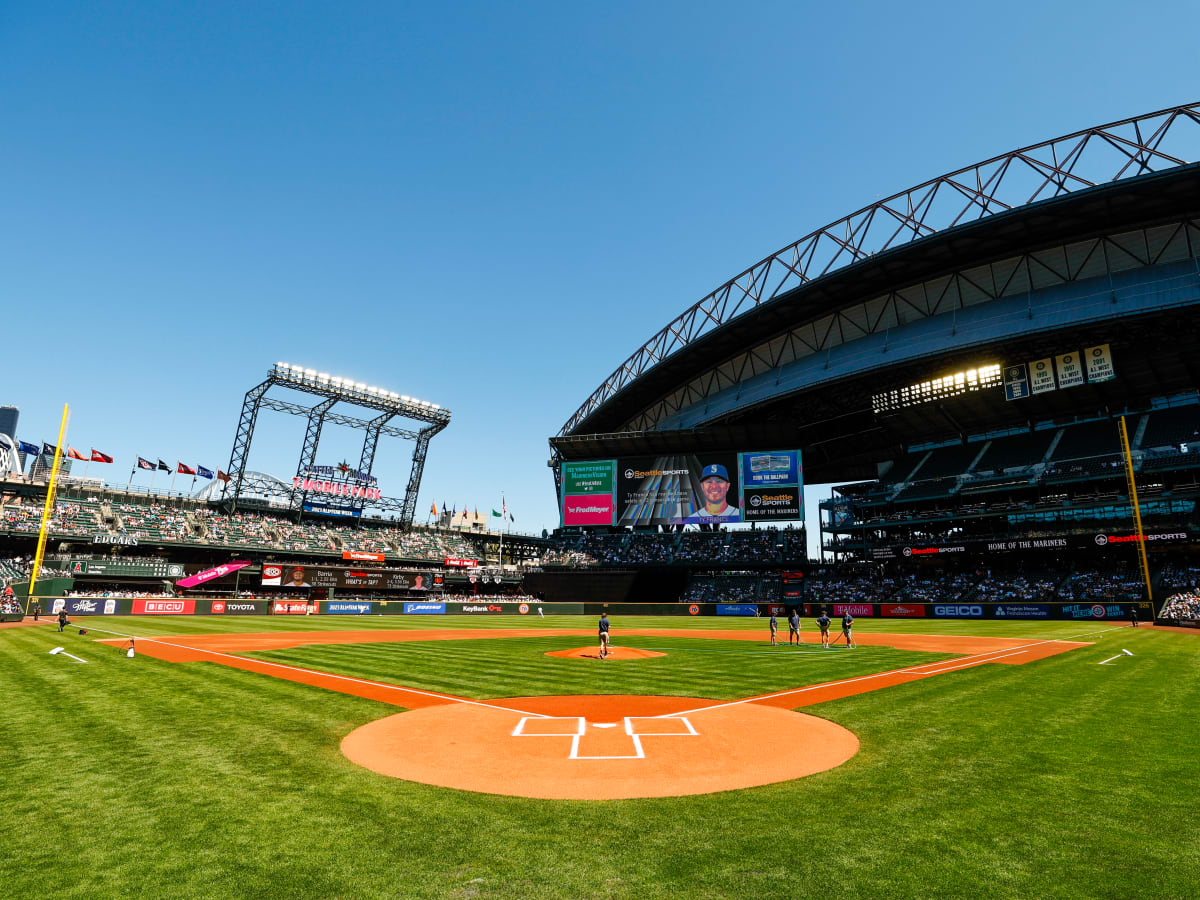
144 778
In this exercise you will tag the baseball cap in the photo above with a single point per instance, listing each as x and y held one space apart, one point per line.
714 471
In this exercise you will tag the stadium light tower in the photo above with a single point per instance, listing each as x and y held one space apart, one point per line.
333 389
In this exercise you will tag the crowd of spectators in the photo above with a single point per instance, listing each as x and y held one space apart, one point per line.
759 545
1018 587
934 589
74 517
156 522
1184 605
851 586
1089 586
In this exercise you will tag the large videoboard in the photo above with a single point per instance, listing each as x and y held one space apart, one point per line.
758 486
299 576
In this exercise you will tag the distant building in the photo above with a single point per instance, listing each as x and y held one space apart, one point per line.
8 420
43 464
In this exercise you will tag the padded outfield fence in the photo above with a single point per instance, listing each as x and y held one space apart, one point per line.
233 606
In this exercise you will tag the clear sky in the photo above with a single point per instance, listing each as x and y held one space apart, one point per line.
485 205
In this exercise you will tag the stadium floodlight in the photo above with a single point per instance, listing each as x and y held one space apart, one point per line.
337 387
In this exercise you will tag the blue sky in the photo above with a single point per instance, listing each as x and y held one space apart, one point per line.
488 206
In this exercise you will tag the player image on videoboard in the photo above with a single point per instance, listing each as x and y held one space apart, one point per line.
669 490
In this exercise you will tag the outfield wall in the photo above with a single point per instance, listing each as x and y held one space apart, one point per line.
189 606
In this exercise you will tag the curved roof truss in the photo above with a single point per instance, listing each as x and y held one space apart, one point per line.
1085 159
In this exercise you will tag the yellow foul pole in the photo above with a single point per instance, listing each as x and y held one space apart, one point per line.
1137 512
48 510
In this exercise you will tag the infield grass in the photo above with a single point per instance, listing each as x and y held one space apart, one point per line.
1058 778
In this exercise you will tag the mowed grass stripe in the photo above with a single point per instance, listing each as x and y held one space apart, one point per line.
1057 778
485 669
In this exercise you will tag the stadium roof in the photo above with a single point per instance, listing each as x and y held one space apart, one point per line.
1121 175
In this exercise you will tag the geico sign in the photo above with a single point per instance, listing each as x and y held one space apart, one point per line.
965 610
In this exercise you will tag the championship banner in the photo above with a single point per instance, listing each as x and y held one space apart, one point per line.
1041 376
1099 363
1070 370
1016 382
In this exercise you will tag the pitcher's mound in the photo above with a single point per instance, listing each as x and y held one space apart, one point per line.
613 653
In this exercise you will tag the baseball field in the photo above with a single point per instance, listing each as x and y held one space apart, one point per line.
454 756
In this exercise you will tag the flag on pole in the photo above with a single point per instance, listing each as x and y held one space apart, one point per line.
203 472
223 476
97 456
48 449
496 514
145 464
433 509
162 467
72 453
26 447
184 470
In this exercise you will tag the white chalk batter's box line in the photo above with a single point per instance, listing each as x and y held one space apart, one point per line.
579 725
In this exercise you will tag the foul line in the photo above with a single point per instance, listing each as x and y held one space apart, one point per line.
381 684
963 663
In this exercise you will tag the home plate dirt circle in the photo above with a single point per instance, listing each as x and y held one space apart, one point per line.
605 747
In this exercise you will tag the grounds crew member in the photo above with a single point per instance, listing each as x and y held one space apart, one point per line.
847 624
774 628
794 627
823 624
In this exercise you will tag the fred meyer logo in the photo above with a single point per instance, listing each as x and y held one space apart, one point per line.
958 610
424 609
1092 611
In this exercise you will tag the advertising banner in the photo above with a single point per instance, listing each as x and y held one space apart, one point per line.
289 607
772 486
1016 382
475 609
589 492
300 577
1041 375
237 607
1099 363
362 556
1021 611
332 510
348 608
737 609
958 610
456 563
854 609
85 606
1094 610
424 609
145 606
1070 370
210 574
903 610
